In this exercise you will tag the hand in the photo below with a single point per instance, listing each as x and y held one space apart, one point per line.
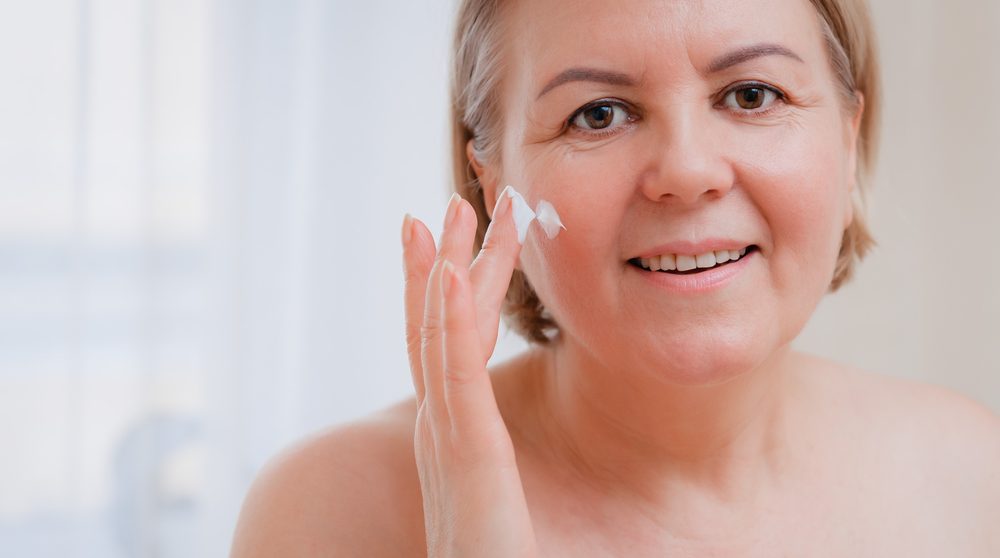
474 503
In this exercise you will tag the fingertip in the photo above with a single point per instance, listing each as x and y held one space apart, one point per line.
458 238
454 290
447 277
417 227
421 242
466 210
502 206
407 232
502 232
453 205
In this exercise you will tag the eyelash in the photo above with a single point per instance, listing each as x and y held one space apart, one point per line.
780 98
599 103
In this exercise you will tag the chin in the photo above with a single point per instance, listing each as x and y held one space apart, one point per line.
706 360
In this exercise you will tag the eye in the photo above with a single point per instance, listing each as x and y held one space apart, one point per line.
602 115
752 97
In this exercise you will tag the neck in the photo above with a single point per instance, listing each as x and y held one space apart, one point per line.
653 440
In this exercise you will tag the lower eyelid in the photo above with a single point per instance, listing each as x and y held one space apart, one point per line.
631 117
780 97
574 134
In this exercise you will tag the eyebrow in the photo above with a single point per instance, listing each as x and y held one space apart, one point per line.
586 74
748 53
723 62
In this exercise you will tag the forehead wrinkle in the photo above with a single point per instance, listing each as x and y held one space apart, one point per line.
672 45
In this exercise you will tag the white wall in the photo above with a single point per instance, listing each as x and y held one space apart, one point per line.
926 303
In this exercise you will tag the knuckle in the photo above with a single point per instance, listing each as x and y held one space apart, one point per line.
415 277
430 330
413 343
490 245
424 435
411 277
455 376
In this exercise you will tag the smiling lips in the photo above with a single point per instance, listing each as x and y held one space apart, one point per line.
681 263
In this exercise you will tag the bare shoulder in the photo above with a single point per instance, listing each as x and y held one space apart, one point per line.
911 409
963 432
956 436
350 491
937 449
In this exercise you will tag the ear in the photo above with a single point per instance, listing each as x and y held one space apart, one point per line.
852 140
852 151
486 176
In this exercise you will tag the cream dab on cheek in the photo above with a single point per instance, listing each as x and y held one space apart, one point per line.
544 213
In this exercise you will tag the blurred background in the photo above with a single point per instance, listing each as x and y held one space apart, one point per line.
200 204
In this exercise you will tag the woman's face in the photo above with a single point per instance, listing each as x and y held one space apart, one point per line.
678 128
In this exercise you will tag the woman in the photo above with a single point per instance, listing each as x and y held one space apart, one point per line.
705 159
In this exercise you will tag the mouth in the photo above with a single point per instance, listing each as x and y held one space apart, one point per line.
692 264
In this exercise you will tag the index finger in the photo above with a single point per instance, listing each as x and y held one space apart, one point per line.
492 269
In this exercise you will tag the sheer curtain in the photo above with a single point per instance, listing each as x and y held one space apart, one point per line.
199 257
200 203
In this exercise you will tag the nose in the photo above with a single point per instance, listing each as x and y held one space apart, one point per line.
688 163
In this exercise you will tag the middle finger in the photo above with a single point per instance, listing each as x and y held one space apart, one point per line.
456 246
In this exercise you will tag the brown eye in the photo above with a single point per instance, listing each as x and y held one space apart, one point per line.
598 117
602 116
751 98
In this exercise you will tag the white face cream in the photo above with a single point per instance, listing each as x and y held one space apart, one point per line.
548 219
523 215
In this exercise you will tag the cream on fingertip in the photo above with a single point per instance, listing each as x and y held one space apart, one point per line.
523 215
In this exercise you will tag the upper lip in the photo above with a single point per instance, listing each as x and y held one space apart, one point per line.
689 248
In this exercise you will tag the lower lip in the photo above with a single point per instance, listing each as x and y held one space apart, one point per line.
703 282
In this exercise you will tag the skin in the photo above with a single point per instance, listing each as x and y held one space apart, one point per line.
675 424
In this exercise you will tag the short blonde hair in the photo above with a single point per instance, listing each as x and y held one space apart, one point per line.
475 115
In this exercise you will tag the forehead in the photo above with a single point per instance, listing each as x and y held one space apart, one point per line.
652 37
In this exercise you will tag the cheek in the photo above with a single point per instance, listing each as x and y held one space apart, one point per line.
799 187
591 194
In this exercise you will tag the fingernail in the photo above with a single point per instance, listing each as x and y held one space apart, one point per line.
452 207
447 277
502 206
407 229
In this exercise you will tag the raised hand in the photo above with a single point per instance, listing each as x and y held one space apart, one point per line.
474 503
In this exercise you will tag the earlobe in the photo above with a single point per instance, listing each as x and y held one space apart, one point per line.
486 180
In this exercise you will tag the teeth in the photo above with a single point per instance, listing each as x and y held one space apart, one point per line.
668 262
686 263
682 262
705 260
